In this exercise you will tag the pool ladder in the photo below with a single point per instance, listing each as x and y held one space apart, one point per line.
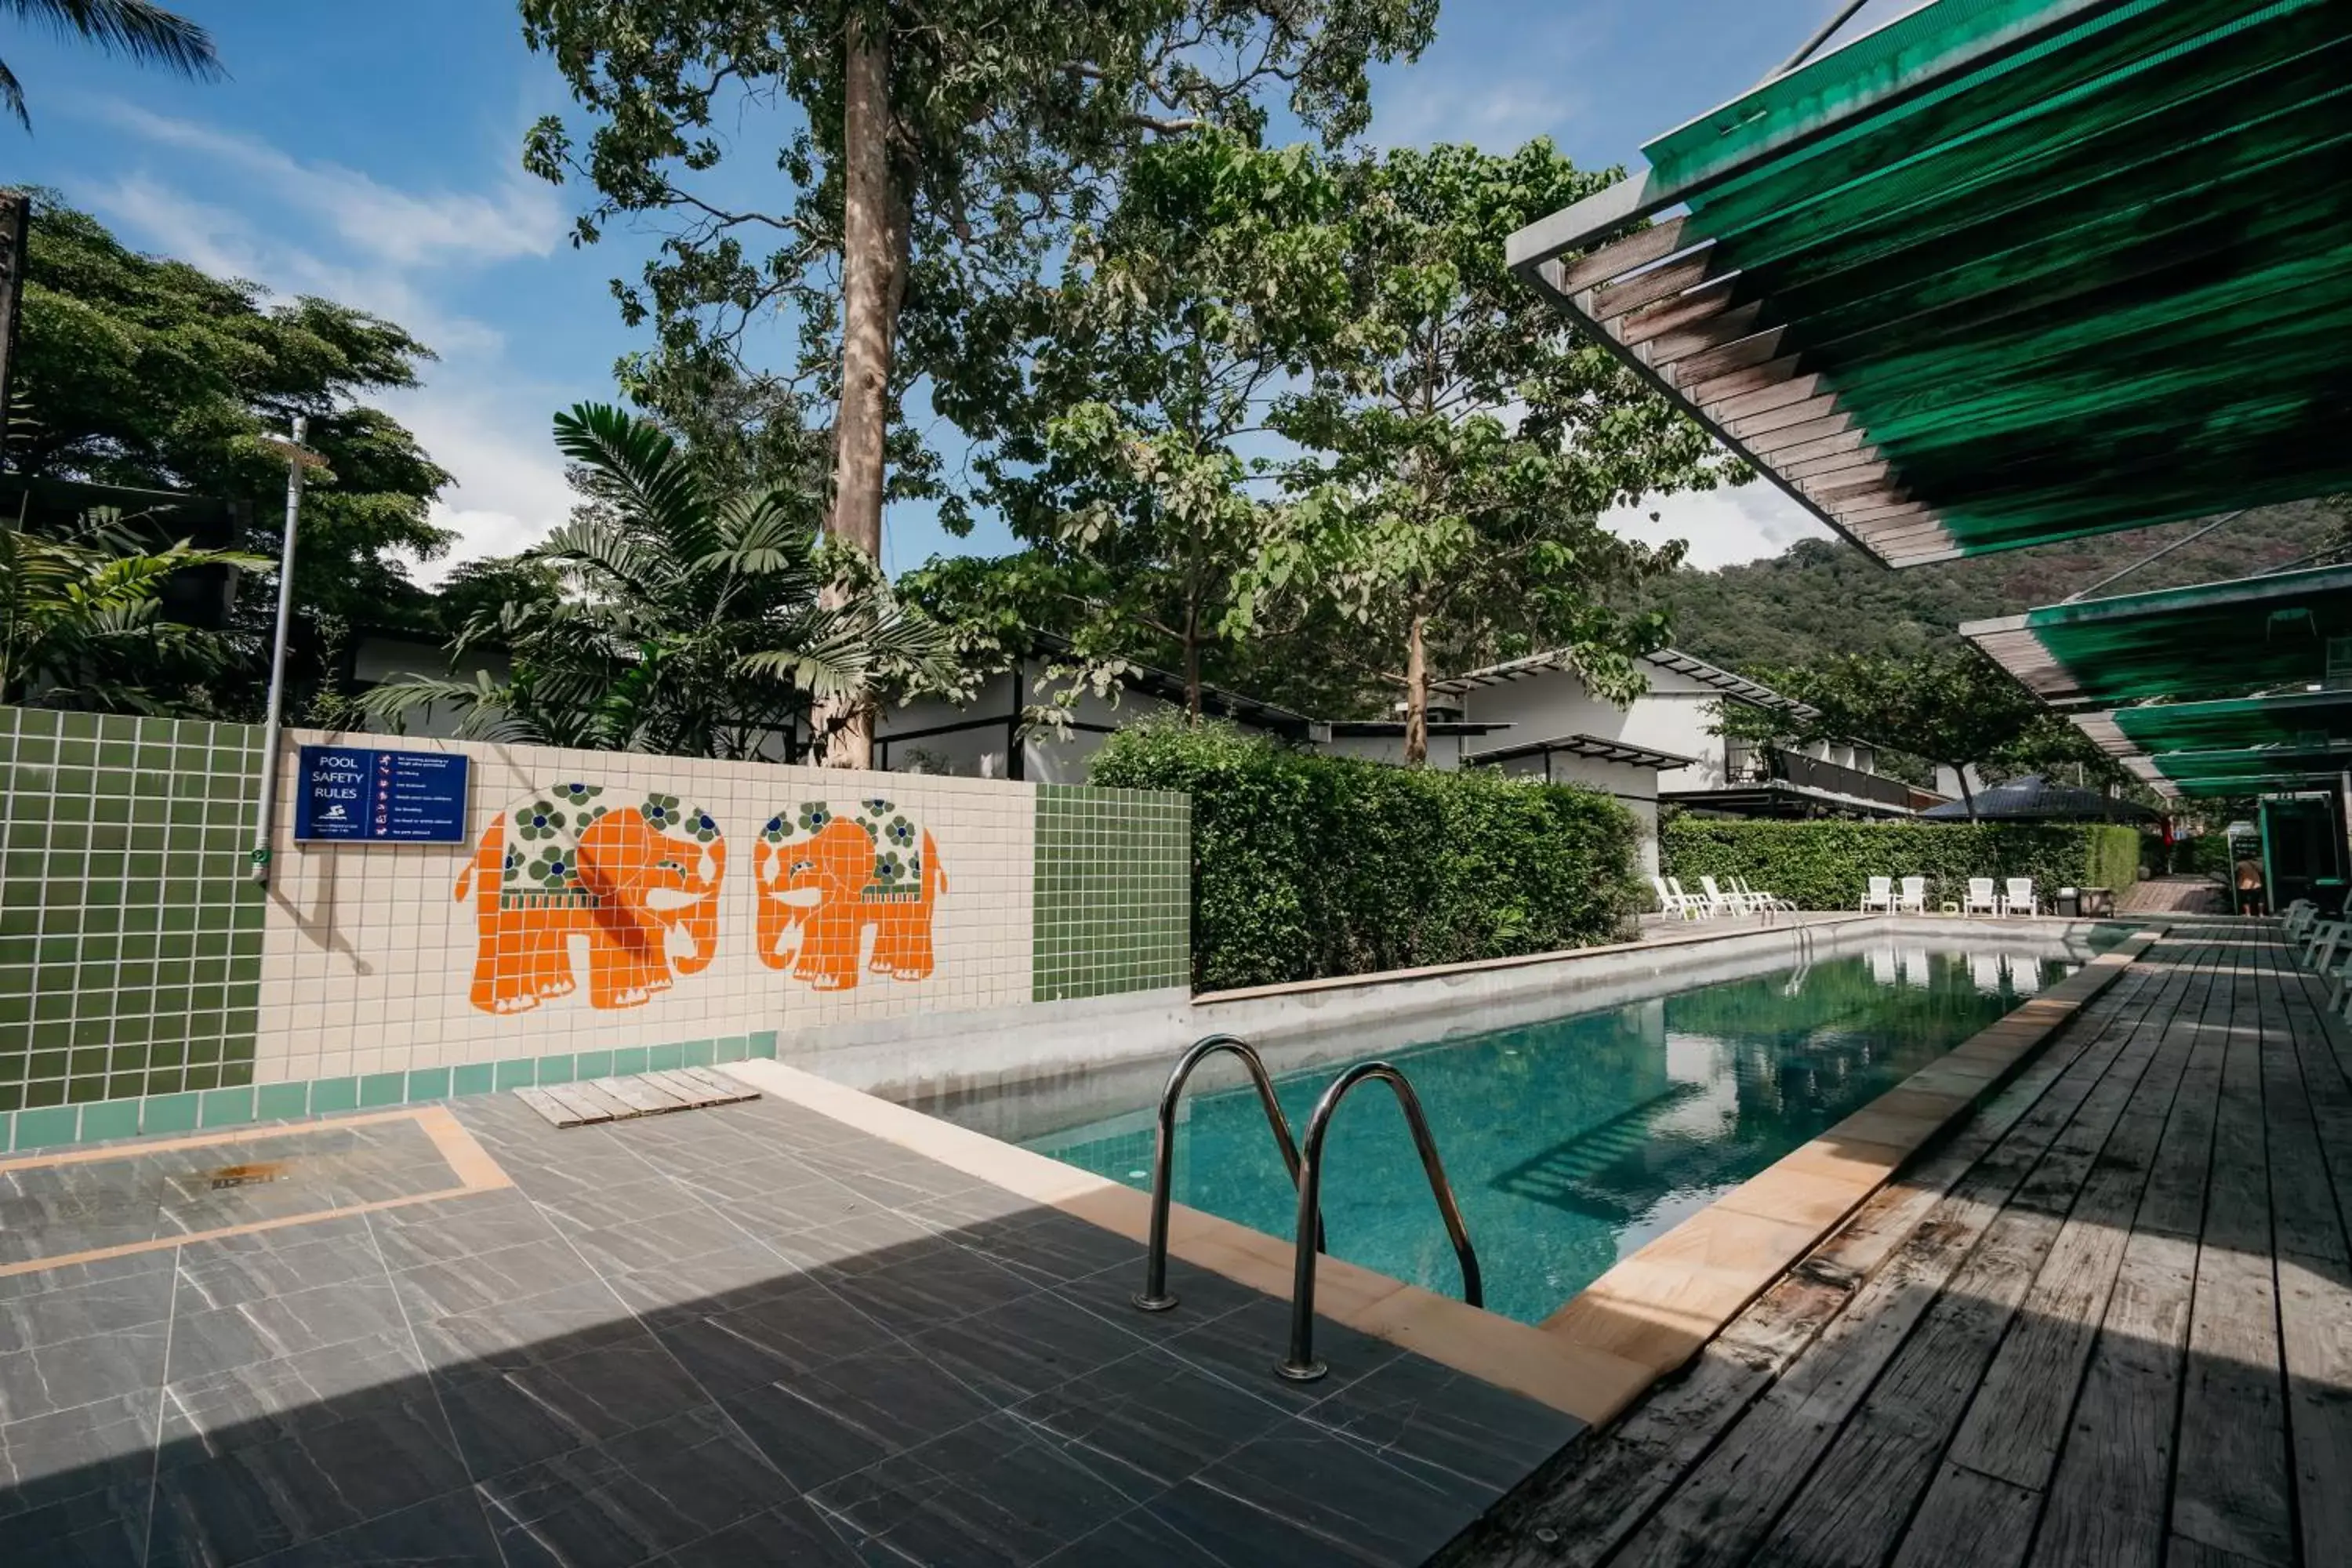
1306 1167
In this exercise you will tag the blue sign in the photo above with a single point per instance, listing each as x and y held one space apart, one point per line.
362 796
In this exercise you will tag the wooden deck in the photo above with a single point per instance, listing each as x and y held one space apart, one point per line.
2109 1321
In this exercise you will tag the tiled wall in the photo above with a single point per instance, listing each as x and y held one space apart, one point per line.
1114 908
147 986
130 939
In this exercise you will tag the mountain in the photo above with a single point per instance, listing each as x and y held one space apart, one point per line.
1823 597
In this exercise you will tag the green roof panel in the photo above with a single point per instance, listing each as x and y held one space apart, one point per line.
2004 271
2210 640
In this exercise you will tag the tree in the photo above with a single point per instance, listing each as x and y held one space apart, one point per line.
134 369
1117 447
1950 706
693 626
943 153
146 33
79 621
1464 442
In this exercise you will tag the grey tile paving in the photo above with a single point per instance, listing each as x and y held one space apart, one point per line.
740 1336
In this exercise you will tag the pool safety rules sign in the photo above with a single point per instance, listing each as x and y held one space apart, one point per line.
361 794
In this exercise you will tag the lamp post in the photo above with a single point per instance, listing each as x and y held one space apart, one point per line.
296 459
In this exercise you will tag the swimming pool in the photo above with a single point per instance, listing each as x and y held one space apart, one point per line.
1572 1142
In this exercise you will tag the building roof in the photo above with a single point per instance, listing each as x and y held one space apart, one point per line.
2002 271
1592 746
1667 658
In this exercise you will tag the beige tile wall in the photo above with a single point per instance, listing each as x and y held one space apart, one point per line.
368 955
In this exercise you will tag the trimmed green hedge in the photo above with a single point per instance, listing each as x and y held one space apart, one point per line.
1306 866
1827 865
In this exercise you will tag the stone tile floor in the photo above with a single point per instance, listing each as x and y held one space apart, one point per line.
740 1335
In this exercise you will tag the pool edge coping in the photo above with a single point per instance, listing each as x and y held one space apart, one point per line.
1604 1348
1660 1304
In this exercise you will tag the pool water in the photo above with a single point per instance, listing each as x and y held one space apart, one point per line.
1572 1142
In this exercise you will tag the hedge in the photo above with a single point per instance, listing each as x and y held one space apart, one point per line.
1306 866
1827 865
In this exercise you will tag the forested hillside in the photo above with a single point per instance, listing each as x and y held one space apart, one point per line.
1823 597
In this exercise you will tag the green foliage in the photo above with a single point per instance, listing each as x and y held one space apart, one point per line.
79 624
1006 124
1172 333
1827 865
1949 705
142 372
1462 443
1821 598
1306 866
699 624
139 29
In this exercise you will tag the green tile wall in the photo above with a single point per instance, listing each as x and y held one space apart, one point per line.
129 938
1114 904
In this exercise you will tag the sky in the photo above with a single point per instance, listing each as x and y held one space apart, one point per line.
372 154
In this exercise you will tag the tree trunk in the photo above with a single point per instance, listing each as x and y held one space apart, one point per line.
1967 795
1416 693
872 283
1192 663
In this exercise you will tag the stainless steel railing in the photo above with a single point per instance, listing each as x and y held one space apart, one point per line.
1300 1366
1155 1296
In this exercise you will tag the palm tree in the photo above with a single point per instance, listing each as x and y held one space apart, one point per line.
147 33
692 624
80 621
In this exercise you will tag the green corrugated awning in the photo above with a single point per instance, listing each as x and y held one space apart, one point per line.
2004 271
2209 641
2307 719
2250 770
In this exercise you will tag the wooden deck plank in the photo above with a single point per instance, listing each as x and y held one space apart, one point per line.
1977 1521
1735 1494
1858 1504
2315 1297
2231 1481
2109 1498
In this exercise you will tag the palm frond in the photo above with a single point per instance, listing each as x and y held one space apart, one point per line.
137 29
643 471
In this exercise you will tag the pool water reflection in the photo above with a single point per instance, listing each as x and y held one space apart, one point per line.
1572 1142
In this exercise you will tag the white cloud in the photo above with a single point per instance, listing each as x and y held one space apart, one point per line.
509 488
296 227
1724 527
401 228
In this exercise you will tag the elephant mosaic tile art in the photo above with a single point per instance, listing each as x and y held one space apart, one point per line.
640 880
604 900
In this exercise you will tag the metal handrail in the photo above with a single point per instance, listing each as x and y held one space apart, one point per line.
1301 1366
1155 1297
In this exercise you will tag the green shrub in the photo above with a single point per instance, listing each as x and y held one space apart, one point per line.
1827 865
1306 866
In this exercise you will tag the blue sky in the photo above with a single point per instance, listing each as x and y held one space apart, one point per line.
372 154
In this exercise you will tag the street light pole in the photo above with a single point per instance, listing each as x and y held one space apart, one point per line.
263 831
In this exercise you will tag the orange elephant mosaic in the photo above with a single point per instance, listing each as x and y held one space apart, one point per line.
639 879
827 874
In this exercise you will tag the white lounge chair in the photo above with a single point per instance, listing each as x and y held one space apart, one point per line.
2319 934
1981 898
2025 976
1915 967
2017 897
1680 905
1763 900
1984 969
1723 902
1882 966
1881 895
1698 905
2299 914
1912 898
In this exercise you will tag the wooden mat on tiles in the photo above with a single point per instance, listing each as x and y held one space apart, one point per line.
598 1100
